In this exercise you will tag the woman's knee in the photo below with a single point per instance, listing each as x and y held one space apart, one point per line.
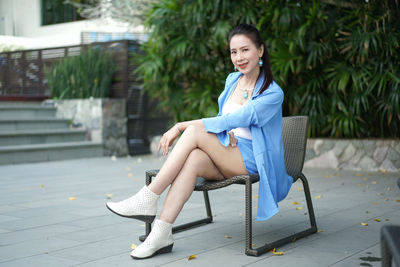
199 134
197 159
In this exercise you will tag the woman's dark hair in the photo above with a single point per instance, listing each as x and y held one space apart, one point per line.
251 32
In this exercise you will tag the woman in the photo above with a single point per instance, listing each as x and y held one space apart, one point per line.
245 138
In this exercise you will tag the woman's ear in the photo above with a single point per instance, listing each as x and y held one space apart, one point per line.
261 50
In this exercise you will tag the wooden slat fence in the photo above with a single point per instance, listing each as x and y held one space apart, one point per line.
22 72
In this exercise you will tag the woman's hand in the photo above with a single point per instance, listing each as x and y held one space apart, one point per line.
168 138
232 139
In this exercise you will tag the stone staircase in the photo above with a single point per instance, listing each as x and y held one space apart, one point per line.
30 132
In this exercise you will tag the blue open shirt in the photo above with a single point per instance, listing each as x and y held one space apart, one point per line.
263 115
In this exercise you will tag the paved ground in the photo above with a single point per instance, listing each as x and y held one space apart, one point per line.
53 214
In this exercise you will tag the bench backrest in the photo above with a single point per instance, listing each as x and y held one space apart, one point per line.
294 137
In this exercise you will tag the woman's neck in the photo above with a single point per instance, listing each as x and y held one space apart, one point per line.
250 78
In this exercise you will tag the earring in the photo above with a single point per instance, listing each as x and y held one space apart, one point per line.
260 62
234 67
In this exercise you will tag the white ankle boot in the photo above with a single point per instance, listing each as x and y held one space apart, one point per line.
141 206
159 241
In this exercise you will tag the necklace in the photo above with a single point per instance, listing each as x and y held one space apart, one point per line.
245 90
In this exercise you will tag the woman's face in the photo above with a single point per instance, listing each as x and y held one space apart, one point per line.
244 54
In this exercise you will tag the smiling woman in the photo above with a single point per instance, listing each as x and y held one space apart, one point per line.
244 138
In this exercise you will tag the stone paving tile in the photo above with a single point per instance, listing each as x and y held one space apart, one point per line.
83 232
368 257
9 208
2 231
95 250
98 221
302 256
37 221
36 233
108 232
33 248
40 261
4 218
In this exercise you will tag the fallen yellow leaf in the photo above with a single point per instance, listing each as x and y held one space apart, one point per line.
386 199
299 189
320 231
130 174
280 253
328 176
191 257
71 198
295 203
365 179
377 220
133 246
253 245
214 215
299 208
109 196
255 196
388 188
374 182
383 171
318 197
42 185
359 174
240 214
361 184
397 200
227 237
364 224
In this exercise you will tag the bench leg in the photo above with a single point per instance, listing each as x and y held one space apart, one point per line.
185 226
269 246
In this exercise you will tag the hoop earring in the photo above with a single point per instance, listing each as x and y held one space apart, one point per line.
260 62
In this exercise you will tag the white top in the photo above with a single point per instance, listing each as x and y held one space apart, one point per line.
231 107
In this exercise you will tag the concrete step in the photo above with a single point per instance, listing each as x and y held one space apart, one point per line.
14 138
49 152
20 103
33 124
25 112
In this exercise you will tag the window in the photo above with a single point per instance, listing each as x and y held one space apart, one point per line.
55 11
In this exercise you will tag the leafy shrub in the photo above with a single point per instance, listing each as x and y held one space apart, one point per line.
86 75
337 61
8 48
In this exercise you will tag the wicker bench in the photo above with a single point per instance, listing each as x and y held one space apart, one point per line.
294 135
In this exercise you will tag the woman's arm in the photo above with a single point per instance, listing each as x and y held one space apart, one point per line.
169 137
257 112
181 126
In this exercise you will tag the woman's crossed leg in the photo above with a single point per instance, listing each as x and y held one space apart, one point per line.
197 153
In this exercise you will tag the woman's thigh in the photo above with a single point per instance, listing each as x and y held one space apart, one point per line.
228 160
202 165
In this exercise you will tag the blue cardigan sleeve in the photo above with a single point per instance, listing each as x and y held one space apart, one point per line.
257 112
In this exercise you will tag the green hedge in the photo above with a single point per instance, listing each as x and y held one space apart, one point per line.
337 61
86 75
